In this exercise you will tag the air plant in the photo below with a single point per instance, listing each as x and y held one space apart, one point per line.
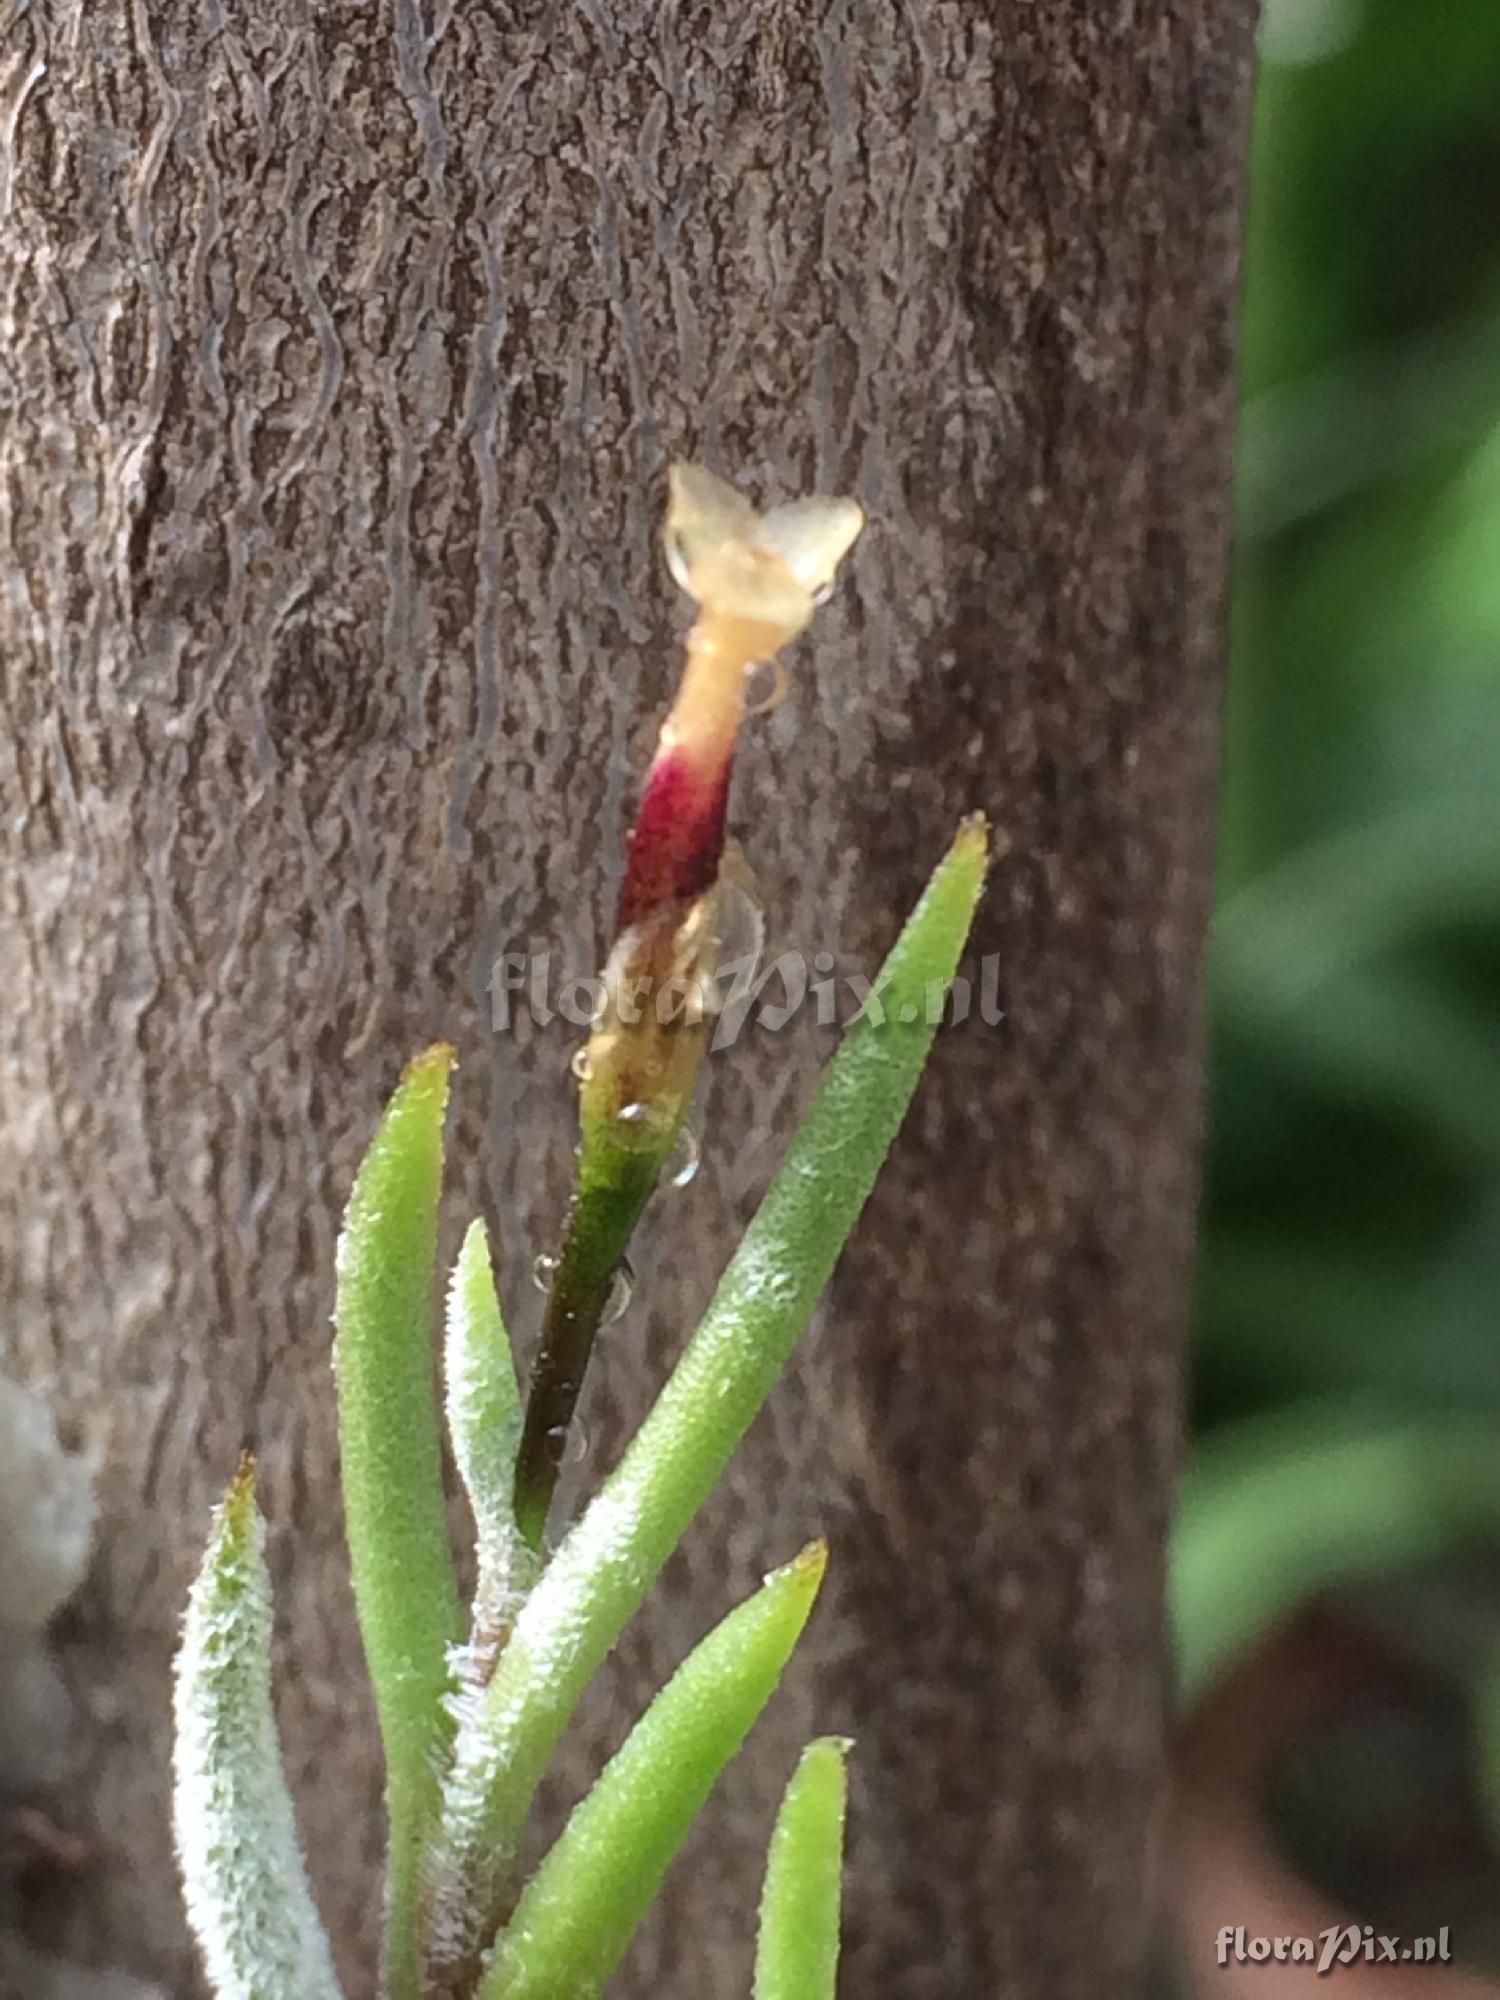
472 1704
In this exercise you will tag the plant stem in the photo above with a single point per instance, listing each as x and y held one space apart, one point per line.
614 1185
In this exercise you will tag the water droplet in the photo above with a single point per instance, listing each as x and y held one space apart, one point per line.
677 561
621 1291
582 1064
568 1444
740 923
766 684
683 1165
543 1271
641 1122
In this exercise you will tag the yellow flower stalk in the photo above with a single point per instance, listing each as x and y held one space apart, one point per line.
756 578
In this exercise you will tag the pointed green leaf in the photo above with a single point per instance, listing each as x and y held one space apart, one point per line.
581 1908
484 1424
404 1585
608 1561
797 1952
248 1901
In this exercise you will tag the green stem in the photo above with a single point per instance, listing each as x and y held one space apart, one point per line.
614 1185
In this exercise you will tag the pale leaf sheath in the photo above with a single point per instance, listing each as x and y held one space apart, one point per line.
247 1895
483 1404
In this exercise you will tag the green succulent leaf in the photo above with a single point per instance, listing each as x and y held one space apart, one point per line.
608 1561
404 1585
797 1951
581 1908
248 1900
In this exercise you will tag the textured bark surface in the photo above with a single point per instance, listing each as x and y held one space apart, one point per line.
342 349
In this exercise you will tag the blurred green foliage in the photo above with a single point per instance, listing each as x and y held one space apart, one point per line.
1347 1356
1352 1241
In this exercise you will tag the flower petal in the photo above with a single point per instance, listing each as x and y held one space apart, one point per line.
812 537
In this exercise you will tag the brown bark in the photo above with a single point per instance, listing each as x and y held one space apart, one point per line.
343 348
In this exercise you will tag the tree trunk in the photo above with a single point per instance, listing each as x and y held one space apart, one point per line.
344 348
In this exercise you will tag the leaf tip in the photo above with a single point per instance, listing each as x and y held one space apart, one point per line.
432 1068
239 1495
806 1570
971 843
473 1259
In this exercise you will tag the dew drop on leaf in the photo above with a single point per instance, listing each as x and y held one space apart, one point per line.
766 685
621 1291
642 1122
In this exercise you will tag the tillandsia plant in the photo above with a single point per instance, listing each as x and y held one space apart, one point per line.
472 1704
